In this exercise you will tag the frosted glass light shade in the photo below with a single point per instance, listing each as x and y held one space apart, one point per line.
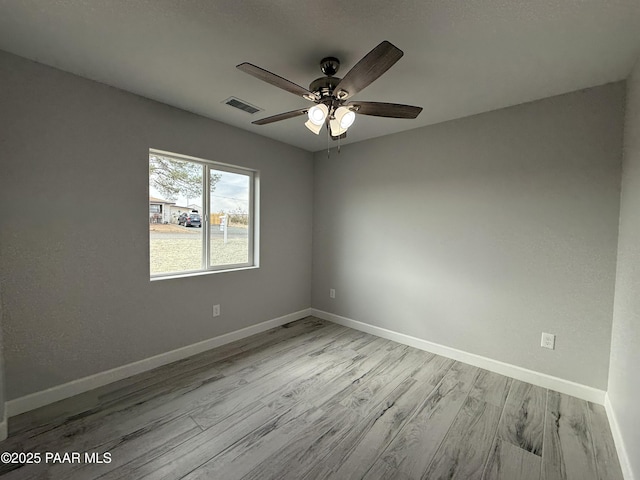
318 113
345 117
313 127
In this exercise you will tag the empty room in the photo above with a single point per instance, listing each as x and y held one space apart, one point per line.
320 240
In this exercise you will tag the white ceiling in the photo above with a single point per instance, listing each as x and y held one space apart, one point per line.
461 56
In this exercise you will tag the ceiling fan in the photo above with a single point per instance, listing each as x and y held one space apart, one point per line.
330 94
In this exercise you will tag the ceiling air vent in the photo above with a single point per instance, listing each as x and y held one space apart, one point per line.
242 105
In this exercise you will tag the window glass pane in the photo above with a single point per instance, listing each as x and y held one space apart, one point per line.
175 225
230 212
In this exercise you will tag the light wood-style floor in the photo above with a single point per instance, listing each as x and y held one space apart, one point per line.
314 400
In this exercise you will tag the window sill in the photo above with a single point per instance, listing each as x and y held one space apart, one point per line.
174 276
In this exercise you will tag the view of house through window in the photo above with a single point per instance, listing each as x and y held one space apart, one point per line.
200 215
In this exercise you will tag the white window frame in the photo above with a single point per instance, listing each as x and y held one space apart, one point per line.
254 203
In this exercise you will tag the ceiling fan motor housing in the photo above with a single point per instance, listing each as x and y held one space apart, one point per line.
324 86
329 66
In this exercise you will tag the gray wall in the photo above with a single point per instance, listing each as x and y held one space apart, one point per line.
624 376
74 229
481 233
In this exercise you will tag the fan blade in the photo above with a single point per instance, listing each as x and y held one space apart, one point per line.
368 69
276 80
381 109
281 116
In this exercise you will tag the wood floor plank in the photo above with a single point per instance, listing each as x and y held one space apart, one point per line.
433 371
522 422
327 381
607 463
269 387
250 423
508 462
464 452
380 470
316 442
197 452
162 386
491 387
376 388
364 369
146 442
412 450
366 365
124 452
186 453
369 438
567 449
264 452
246 363
296 456
284 333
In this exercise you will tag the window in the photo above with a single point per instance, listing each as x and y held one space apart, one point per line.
208 222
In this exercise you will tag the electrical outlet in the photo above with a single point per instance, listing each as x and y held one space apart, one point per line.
216 310
332 293
548 341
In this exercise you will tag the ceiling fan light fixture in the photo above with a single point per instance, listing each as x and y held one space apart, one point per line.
345 117
318 114
313 127
329 93
336 129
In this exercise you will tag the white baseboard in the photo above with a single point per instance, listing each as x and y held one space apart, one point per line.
81 385
536 378
623 455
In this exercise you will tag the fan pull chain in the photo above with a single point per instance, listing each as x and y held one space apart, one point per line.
328 144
